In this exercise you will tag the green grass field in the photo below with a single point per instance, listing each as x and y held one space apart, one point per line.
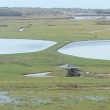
57 92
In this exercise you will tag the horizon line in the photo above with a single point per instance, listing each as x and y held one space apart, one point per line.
51 7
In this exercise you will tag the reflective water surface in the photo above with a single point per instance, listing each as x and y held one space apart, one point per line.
44 74
94 49
13 46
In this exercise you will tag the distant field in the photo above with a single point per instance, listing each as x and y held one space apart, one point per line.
58 91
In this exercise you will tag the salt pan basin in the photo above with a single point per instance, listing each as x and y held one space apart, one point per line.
13 46
94 49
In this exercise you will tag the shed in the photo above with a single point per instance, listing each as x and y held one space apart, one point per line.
72 71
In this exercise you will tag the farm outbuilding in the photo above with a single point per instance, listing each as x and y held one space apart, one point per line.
72 71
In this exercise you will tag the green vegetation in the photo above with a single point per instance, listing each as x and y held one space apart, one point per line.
57 92
25 11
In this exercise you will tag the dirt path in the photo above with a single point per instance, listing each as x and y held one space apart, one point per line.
99 31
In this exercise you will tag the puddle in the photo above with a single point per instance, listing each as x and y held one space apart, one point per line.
91 98
94 49
78 99
4 98
13 46
33 101
44 74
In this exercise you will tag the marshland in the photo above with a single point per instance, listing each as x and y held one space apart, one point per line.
18 92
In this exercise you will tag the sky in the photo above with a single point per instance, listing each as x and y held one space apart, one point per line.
96 4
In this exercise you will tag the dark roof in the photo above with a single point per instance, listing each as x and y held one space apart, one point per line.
69 66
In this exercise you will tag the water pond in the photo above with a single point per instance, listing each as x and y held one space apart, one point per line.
13 46
89 17
94 49
44 74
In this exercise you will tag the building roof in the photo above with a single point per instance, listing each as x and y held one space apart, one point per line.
69 66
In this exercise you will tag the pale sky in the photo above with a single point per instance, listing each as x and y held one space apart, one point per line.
104 4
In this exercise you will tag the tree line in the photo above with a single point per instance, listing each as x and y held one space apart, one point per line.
5 11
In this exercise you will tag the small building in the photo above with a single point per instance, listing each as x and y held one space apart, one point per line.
72 71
